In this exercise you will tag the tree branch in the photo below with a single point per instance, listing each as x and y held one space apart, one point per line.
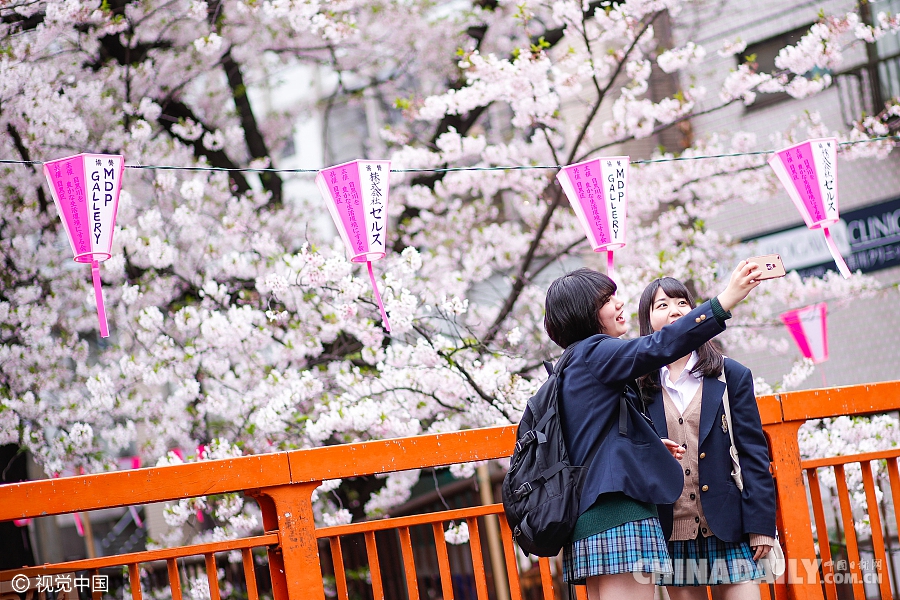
23 152
521 277
175 111
255 142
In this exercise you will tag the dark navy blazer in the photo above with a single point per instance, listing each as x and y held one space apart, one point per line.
731 514
638 463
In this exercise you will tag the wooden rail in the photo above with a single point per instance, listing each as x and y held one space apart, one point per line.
282 485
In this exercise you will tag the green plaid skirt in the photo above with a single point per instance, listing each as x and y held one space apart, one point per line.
711 561
633 547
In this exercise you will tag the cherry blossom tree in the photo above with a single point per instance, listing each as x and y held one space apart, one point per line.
241 327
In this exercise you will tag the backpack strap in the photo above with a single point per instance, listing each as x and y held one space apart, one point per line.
565 358
536 434
557 370
623 415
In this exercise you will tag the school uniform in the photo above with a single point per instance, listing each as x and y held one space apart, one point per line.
711 527
632 471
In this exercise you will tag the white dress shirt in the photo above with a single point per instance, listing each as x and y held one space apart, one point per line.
683 389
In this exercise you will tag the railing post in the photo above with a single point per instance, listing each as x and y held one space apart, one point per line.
296 570
802 573
276 558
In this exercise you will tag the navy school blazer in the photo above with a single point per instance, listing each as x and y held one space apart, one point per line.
730 513
636 463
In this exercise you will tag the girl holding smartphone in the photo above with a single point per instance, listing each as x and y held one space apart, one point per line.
716 533
618 547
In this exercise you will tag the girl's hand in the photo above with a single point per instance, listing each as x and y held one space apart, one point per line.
675 448
742 281
760 551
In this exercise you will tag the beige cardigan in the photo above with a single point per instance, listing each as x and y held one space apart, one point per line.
689 522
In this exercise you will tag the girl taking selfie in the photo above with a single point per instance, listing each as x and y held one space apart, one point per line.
618 547
716 533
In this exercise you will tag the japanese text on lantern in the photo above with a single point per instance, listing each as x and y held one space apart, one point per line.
803 171
616 189
351 198
335 189
592 191
75 199
827 177
103 185
377 204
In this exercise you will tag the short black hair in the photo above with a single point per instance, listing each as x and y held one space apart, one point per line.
571 310
710 360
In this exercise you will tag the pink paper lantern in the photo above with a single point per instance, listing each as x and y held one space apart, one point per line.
597 191
809 328
86 188
808 171
357 194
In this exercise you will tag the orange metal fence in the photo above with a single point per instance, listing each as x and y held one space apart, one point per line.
282 484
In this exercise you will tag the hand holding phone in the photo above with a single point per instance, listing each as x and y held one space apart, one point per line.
770 266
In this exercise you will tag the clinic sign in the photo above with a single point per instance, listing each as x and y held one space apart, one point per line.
869 239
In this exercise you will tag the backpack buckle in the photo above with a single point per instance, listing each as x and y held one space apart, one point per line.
523 490
529 437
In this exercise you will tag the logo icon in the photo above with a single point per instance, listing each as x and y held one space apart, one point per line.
20 583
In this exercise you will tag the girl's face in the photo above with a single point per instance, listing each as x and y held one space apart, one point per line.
665 311
612 317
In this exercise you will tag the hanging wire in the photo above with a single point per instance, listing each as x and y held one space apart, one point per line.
453 169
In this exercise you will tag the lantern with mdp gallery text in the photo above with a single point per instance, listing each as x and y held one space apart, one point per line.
86 188
597 190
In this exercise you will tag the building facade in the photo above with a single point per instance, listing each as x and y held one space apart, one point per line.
861 331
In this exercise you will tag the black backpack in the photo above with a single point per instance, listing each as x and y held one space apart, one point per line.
542 489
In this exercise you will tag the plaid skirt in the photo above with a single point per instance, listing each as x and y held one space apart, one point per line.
711 561
633 547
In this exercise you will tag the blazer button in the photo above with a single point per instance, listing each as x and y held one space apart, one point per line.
703 318
697 320
705 488
687 471
703 455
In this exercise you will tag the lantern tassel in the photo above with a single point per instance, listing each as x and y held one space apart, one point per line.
610 271
387 325
98 294
838 259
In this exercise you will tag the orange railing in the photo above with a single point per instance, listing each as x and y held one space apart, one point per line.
282 484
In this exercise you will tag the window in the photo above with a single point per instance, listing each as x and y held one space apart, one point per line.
763 54
887 53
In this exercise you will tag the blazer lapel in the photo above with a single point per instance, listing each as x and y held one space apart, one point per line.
709 405
657 412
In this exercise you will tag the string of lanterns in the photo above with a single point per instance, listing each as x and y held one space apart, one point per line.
86 189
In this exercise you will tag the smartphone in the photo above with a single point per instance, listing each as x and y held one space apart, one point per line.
770 266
